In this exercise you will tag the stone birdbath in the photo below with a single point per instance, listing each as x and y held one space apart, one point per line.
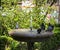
26 35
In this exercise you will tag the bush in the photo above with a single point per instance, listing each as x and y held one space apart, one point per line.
54 42
3 42
7 42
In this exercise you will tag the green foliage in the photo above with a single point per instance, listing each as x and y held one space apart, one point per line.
40 2
3 42
11 14
6 41
54 42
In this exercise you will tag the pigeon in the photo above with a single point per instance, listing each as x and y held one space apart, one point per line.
50 28
41 29
38 31
42 26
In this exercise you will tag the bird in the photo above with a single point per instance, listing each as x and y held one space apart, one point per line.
42 26
50 28
41 29
38 30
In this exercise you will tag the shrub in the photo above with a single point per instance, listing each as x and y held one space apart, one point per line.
54 42
7 42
